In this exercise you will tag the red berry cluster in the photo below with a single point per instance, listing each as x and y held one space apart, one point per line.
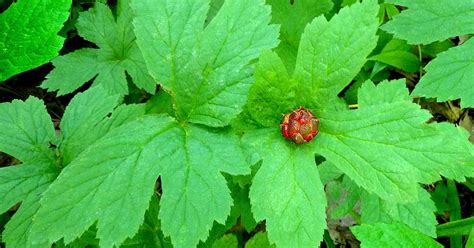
299 126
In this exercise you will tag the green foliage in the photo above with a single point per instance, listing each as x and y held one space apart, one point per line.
418 215
332 53
117 55
413 145
227 241
392 235
287 191
28 133
260 240
28 36
458 63
426 21
293 18
206 70
115 184
201 162
132 157
397 53
387 123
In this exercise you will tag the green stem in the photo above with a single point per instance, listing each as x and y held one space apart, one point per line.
420 57
328 240
457 227
454 212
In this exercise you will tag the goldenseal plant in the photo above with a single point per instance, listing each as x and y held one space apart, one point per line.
385 146
207 70
235 123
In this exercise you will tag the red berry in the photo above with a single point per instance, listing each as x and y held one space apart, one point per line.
299 126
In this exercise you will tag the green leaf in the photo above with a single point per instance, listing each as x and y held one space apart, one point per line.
149 234
26 132
19 181
117 55
227 241
121 115
17 230
417 215
273 91
29 34
328 172
426 21
332 53
398 54
160 103
25 129
449 76
293 18
259 240
413 152
347 198
219 230
287 191
84 112
392 235
318 76
115 185
207 71
243 208
434 48
196 194
440 197
86 120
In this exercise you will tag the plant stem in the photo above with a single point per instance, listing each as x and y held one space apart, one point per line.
328 240
457 227
454 212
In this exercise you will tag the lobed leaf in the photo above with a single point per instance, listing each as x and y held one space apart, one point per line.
387 148
331 53
115 185
117 55
28 133
208 71
287 191
26 130
84 112
273 91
